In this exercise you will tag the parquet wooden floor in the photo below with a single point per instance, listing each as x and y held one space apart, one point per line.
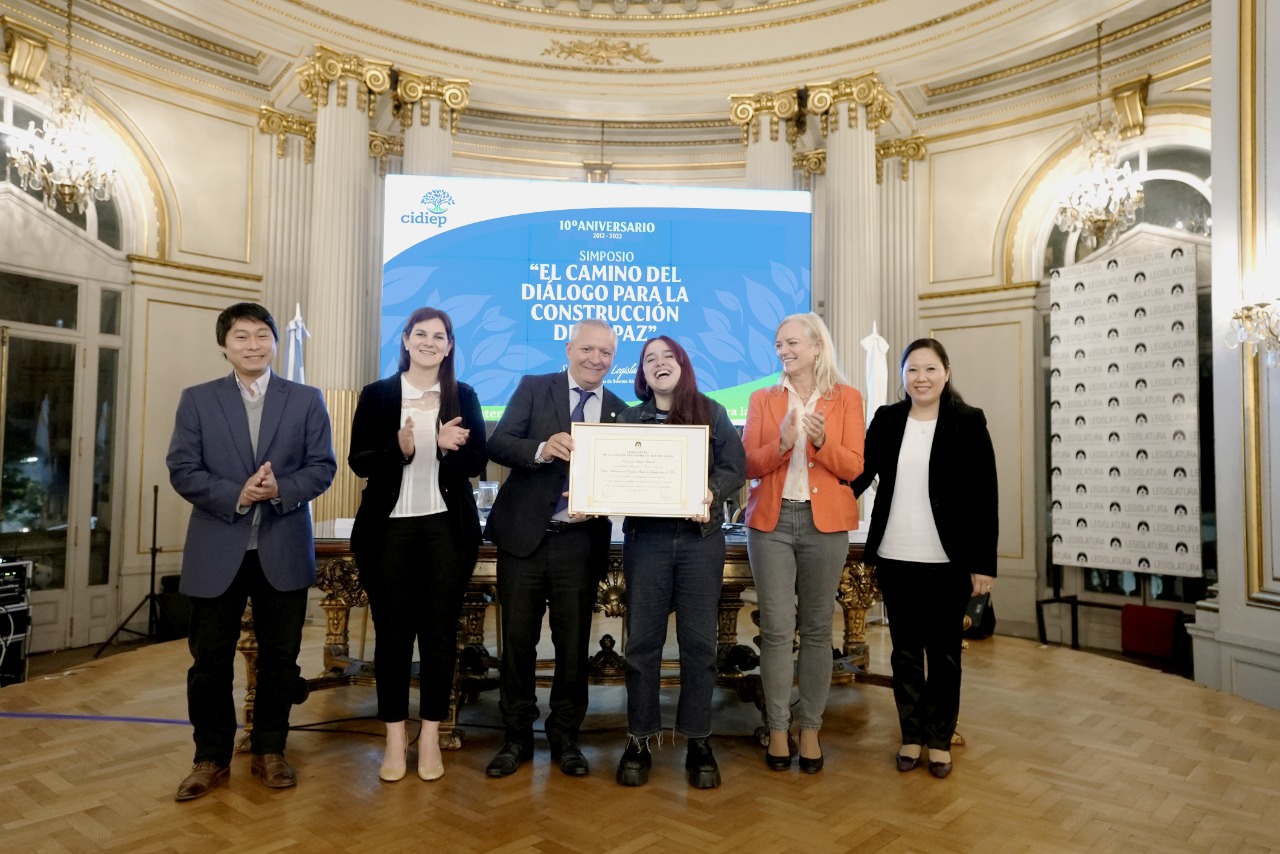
1067 752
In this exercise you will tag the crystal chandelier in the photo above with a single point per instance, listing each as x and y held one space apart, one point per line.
61 159
1256 325
1102 200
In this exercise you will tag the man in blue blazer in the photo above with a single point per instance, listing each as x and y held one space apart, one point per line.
249 451
545 560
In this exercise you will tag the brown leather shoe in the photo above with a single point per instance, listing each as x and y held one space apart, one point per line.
203 777
274 771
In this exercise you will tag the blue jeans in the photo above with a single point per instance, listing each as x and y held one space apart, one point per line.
669 565
796 569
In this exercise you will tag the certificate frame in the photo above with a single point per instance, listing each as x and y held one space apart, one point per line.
639 469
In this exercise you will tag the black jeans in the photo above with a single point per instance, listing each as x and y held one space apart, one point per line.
557 575
926 604
416 591
215 631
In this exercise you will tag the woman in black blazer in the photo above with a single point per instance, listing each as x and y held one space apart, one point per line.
932 541
419 438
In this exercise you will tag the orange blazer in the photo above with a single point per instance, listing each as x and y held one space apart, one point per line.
831 468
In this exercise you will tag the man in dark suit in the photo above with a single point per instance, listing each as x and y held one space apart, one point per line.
249 451
544 558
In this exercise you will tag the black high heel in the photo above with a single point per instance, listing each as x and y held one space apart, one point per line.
779 763
812 766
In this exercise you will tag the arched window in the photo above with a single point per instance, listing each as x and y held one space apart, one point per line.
1176 187
100 221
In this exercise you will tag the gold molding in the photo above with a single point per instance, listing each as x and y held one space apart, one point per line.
26 54
601 52
1068 53
192 268
349 23
1257 592
969 292
593 143
812 162
783 106
153 48
594 124
612 17
1064 78
865 91
254 59
280 125
1129 100
327 66
907 149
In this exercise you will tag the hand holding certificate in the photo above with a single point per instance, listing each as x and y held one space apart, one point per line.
639 470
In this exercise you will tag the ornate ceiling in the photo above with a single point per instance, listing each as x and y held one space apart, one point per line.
953 66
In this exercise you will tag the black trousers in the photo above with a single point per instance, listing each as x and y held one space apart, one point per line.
558 576
215 631
416 591
925 604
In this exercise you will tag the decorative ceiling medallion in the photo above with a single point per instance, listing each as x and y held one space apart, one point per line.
601 51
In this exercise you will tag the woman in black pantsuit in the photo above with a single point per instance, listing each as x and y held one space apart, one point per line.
932 541
418 437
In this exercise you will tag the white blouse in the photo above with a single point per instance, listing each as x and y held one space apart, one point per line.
420 481
910 534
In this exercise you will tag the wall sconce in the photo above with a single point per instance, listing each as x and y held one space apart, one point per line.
1257 325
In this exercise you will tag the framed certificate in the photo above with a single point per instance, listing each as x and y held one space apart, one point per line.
639 469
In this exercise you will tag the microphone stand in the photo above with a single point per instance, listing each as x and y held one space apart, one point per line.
152 598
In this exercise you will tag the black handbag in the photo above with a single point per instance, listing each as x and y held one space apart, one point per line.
980 618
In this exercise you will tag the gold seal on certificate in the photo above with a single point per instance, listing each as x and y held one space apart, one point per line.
638 469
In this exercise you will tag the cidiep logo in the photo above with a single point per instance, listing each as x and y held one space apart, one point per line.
437 202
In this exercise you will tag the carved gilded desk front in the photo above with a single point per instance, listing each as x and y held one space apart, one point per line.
338 577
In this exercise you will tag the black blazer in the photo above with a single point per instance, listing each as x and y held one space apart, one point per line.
962 482
528 498
375 454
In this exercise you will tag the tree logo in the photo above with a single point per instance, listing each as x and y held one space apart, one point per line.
437 201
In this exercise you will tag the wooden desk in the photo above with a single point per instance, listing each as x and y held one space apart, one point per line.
338 577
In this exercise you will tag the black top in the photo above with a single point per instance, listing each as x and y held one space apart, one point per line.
726 467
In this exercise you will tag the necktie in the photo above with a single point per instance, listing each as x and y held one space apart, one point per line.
578 415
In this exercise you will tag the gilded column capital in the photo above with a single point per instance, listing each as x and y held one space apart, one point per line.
866 91
382 146
778 106
813 162
327 65
281 125
25 56
908 149
414 88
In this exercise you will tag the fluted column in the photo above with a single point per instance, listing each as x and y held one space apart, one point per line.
850 110
812 166
289 204
428 109
898 280
341 354
768 153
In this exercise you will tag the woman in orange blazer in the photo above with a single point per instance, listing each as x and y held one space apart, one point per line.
804 446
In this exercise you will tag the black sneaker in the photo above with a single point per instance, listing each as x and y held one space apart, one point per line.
704 773
633 769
